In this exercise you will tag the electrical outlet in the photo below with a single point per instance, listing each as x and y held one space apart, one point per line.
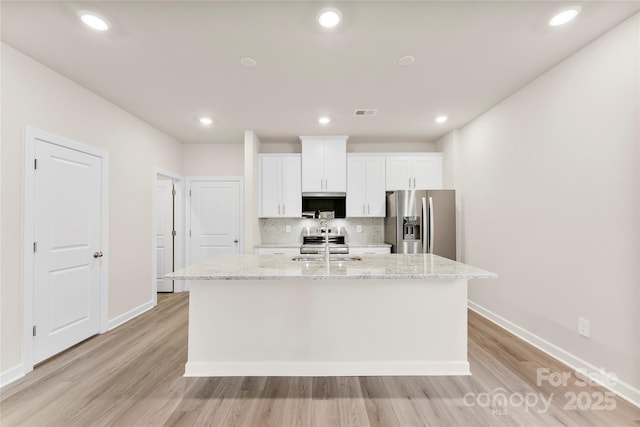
358 229
287 228
583 327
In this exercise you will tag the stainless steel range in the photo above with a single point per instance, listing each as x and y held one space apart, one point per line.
314 241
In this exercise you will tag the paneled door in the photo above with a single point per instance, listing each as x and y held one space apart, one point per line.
214 219
164 234
67 248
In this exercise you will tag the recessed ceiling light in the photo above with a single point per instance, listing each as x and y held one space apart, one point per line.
441 119
407 60
94 21
248 62
207 121
330 17
324 120
565 16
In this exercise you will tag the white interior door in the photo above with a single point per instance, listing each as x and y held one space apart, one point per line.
67 258
215 219
164 234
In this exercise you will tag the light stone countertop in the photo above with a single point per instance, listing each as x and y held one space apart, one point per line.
282 267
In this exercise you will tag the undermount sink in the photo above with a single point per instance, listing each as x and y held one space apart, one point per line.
335 258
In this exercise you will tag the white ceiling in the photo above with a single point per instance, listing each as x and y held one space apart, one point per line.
169 62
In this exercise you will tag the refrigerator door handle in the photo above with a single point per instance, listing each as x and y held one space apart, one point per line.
425 235
432 228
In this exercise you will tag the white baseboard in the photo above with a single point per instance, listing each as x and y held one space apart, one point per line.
621 388
125 317
11 375
324 369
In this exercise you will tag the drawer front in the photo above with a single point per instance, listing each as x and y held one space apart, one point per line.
293 250
356 250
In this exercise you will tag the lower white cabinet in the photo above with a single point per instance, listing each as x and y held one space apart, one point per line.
295 250
364 250
292 250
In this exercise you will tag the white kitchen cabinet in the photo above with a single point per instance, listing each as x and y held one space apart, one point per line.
279 186
324 164
365 185
414 171
288 250
364 250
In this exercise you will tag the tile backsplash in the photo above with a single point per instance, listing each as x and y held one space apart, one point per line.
274 230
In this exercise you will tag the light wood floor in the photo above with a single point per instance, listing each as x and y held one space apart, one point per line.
133 376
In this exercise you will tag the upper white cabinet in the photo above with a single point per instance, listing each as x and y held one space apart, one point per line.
324 164
279 186
365 185
414 171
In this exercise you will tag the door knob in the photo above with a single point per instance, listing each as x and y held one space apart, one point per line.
97 254
235 240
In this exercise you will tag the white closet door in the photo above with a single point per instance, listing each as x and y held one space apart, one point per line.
67 261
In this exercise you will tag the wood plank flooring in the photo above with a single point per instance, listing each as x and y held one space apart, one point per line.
133 376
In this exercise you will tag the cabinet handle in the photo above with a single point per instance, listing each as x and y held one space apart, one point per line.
283 209
414 183
279 209
409 182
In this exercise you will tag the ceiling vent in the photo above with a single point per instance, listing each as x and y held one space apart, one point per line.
365 112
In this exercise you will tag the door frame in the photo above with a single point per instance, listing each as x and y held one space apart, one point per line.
28 233
179 241
191 179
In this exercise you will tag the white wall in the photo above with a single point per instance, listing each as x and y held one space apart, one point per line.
549 185
448 145
251 225
213 159
33 95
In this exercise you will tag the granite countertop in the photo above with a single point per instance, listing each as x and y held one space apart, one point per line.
282 267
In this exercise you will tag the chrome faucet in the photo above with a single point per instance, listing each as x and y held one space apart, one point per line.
324 226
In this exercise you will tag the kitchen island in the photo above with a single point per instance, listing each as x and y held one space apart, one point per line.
270 315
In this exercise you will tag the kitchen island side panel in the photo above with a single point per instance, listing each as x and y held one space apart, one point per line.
327 327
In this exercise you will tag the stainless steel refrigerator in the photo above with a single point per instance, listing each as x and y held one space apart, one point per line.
421 221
